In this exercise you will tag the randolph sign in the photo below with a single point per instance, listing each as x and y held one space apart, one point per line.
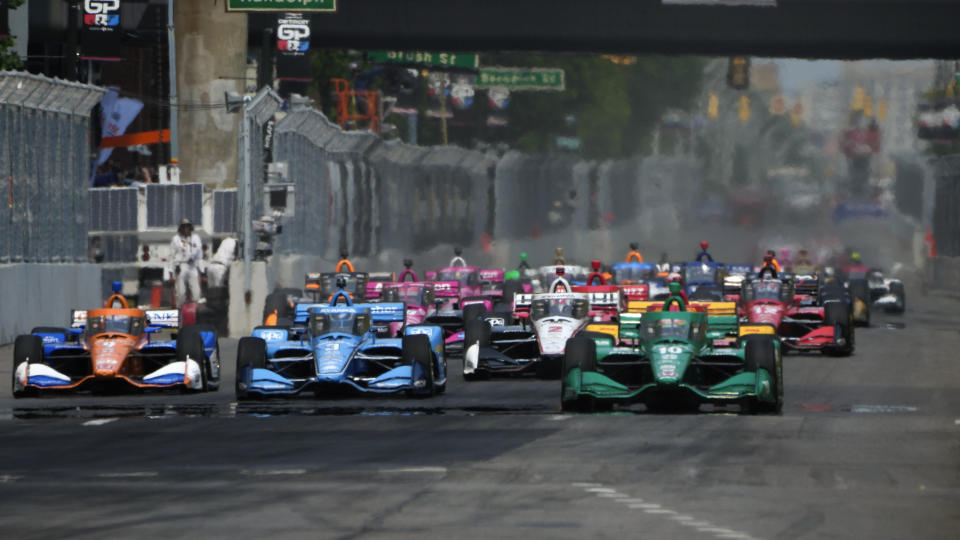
282 5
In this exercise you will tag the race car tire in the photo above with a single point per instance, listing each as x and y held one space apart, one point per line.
216 345
510 289
761 353
581 351
252 354
897 290
837 315
190 345
27 349
473 312
833 291
475 331
860 299
417 350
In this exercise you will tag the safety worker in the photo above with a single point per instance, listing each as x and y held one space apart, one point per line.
634 255
187 262
704 254
220 263
559 257
345 262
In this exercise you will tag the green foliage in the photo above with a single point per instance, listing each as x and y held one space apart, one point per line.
8 57
613 107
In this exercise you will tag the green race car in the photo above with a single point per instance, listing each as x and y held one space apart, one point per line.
674 360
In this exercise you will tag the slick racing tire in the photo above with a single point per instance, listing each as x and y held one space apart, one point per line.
473 312
27 349
417 352
860 296
511 288
190 345
837 315
580 352
209 361
897 290
475 332
277 301
761 353
251 354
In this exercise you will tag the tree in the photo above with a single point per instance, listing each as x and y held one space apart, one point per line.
8 57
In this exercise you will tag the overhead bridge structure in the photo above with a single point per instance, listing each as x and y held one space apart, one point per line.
842 29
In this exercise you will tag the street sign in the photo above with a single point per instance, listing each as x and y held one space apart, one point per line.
543 79
282 5
442 59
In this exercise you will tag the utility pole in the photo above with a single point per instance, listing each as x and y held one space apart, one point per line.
174 100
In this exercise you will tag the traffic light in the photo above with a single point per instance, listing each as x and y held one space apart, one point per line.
744 111
738 72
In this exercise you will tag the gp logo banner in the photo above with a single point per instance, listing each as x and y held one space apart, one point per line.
101 14
293 34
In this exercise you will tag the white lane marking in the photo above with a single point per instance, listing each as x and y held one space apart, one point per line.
414 470
875 409
956 422
139 474
560 417
635 503
6 478
99 422
273 472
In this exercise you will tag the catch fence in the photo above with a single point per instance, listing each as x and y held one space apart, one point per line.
360 194
44 167
946 219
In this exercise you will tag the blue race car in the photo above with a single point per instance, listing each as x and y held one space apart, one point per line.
334 347
703 281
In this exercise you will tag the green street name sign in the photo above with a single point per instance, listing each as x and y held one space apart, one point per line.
543 79
282 5
458 60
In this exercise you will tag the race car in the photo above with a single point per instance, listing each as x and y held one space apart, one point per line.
536 343
117 348
820 321
883 293
640 281
334 348
674 360
280 305
703 280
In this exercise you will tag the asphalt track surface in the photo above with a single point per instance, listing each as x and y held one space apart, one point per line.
867 447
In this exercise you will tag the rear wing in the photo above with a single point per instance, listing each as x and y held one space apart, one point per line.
712 309
446 289
639 291
379 313
602 297
493 276
159 318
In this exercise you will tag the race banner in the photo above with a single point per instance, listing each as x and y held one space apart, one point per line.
100 30
293 47
116 115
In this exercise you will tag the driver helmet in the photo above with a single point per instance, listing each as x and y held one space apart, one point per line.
674 287
704 245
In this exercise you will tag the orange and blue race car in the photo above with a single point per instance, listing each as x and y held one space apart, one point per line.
117 348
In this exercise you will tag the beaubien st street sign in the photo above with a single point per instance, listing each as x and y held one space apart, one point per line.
441 59
542 79
282 5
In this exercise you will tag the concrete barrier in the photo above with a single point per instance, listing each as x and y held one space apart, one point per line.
243 315
943 274
43 295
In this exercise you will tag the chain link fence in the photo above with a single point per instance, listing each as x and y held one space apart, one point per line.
44 167
359 194
946 219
